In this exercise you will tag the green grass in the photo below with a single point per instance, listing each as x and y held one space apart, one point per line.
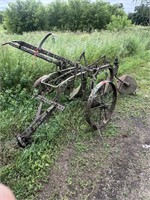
26 170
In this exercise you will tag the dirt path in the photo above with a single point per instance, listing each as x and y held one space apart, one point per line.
111 169
127 176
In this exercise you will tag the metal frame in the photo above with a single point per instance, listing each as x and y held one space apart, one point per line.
62 80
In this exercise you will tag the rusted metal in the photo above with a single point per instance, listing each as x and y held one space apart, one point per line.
100 104
93 82
126 84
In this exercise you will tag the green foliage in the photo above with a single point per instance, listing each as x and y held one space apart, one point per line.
74 15
1 16
130 47
141 15
147 46
119 23
24 16
81 15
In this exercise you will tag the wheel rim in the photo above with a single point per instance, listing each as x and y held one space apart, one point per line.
101 104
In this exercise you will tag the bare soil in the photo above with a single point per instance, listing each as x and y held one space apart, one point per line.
116 168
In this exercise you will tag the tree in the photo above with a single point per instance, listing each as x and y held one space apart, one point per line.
1 16
146 3
141 15
74 15
24 16
83 15
142 1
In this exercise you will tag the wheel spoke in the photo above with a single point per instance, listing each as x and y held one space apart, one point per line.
101 105
105 117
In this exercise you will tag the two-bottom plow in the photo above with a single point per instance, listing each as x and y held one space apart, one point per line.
94 83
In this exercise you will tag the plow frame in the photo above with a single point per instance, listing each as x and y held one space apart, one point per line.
101 96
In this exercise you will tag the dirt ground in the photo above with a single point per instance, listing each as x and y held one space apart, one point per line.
109 169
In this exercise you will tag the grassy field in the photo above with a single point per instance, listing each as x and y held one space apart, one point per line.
25 171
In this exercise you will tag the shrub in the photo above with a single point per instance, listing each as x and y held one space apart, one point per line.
118 23
130 47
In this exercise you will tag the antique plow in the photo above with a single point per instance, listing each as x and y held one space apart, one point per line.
94 83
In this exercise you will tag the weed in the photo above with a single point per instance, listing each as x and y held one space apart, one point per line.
147 46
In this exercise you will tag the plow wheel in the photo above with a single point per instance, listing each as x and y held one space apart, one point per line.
101 104
126 84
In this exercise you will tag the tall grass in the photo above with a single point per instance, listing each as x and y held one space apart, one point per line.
23 170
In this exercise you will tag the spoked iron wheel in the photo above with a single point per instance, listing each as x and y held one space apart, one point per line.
101 104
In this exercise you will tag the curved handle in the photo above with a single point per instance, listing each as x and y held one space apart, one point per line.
53 38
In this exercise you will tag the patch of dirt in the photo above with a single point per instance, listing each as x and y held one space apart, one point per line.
57 183
128 174
110 169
